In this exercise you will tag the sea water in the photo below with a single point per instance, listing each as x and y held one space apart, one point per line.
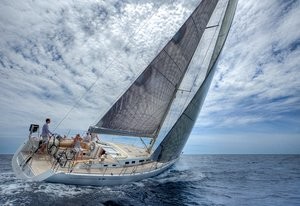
193 180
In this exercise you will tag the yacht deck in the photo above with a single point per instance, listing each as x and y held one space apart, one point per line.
119 159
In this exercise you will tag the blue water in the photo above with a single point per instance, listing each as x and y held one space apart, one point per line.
193 180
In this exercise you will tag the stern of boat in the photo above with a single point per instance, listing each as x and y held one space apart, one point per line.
26 163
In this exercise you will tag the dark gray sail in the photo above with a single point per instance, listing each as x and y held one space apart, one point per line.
173 143
140 111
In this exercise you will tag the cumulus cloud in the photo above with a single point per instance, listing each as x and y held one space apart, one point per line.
53 55
83 54
257 75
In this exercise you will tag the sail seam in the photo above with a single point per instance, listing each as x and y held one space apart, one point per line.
164 76
213 26
196 26
173 60
188 117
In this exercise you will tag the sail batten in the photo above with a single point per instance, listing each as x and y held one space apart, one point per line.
142 108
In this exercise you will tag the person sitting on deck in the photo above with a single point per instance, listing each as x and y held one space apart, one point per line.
95 137
77 148
87 138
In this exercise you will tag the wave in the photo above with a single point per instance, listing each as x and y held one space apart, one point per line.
193 180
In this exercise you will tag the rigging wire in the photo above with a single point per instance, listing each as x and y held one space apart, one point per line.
138 74
108 66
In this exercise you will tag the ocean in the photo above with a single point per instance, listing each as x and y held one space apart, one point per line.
193 180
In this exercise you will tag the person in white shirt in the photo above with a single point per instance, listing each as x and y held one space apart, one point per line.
87 138
94 137
77 146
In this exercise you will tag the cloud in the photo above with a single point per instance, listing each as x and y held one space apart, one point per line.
53 55
241 143
256 79
56 57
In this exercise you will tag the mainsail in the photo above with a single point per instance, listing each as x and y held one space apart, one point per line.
141 110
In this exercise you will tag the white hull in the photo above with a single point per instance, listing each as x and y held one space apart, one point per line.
103 180
41 168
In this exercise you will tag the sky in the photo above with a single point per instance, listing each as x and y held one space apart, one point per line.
71 60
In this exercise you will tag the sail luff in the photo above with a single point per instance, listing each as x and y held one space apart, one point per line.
141 109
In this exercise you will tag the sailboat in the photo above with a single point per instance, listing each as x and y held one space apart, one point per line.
161 105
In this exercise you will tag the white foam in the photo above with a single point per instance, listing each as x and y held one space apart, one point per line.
14 188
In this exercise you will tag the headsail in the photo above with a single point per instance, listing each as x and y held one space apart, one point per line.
173 143
140 111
